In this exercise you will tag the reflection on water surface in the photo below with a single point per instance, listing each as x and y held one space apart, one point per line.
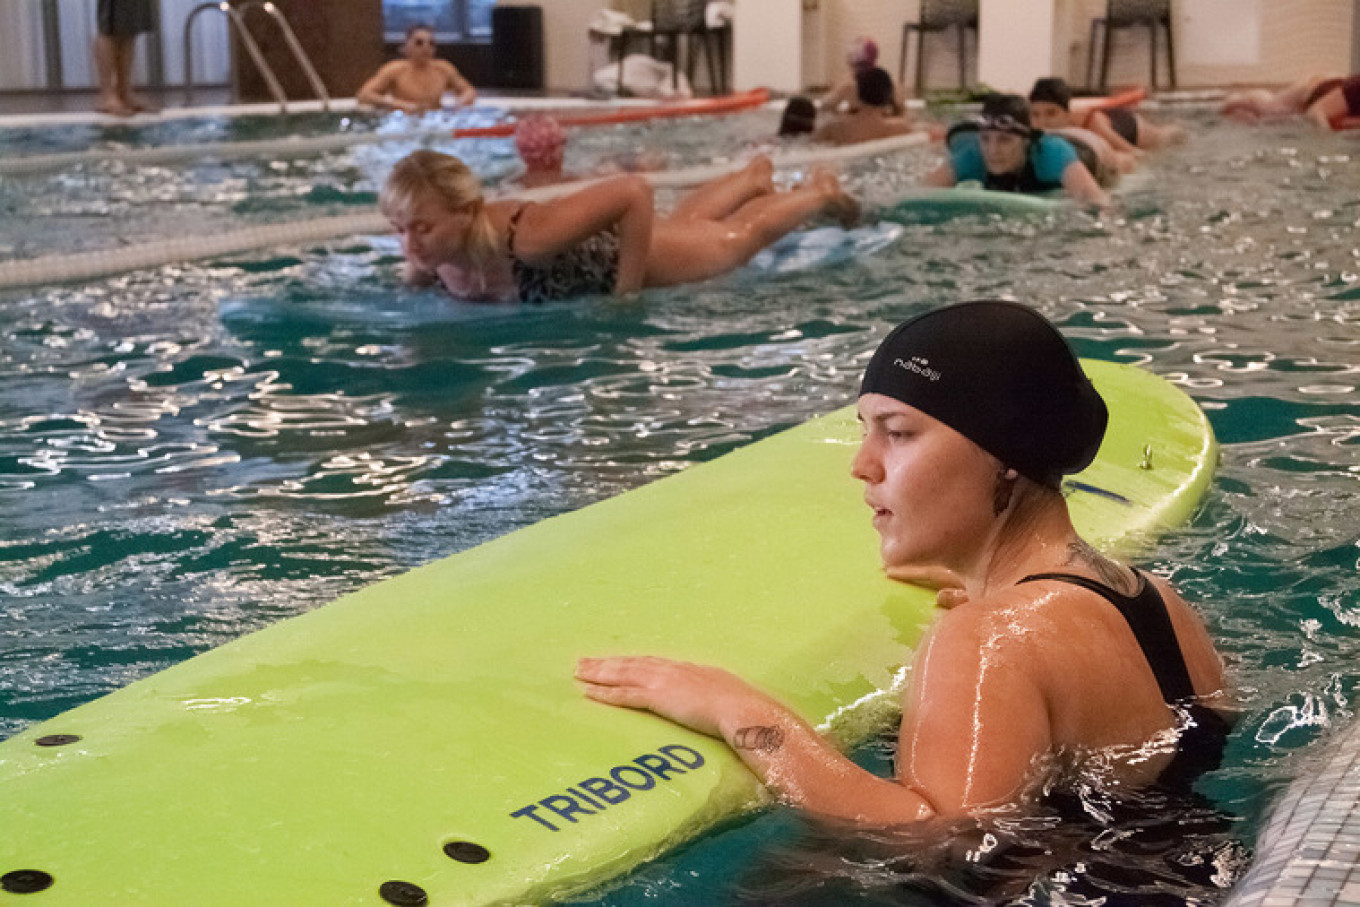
196 452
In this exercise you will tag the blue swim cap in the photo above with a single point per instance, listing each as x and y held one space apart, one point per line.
1002 376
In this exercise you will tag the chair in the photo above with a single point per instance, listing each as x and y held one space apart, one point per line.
677 19
1132 14
939 16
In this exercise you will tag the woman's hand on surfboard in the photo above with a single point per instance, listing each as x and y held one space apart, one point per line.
788 755
702 698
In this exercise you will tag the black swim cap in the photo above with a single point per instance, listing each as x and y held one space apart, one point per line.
875 87
1002 376
1052 90
800 116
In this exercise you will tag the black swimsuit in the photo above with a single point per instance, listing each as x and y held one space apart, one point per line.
1204 732
1163 845
590 267
1125 124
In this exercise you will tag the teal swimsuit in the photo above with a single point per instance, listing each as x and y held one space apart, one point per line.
1049 156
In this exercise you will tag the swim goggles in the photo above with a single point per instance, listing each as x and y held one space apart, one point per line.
1004 123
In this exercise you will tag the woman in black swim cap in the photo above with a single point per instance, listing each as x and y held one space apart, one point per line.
1048 653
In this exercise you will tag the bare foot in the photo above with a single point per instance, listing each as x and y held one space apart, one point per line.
760 172
838 204
139 104
114 107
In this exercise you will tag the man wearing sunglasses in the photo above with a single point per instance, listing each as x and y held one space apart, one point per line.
1002 150
417 83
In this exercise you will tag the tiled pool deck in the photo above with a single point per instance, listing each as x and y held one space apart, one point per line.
1309 852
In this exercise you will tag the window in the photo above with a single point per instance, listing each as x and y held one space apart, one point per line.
452 20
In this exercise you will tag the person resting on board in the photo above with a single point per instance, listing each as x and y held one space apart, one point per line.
876 115
541 143
799 117
1097 155
1322 99
860 57
1002 150
1127 131
1046 653
417 83
605 237
1106 164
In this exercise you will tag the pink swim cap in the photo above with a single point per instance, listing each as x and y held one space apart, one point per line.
863 53
541 142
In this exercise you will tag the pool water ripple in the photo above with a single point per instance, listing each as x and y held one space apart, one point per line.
197 451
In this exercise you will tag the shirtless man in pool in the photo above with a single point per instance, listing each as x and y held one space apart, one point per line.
417 83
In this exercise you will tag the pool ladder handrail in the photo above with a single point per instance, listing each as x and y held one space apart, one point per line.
234 14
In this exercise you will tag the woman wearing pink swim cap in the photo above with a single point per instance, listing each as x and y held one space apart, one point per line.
863 54
542 145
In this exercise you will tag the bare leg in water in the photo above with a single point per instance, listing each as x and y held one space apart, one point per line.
690 249
722 197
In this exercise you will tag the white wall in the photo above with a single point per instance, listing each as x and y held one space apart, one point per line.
566 42
767 45
1293 38
1221 42
1229 42
21 62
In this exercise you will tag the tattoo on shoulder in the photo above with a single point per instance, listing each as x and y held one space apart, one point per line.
1109 571
760 739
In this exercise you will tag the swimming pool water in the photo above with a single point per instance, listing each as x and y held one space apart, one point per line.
195 452
107 201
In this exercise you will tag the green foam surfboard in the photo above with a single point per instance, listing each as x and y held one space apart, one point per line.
971 199
422 740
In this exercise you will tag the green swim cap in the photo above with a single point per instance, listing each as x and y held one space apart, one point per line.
1002 376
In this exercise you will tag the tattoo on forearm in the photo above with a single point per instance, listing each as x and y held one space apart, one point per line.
760 739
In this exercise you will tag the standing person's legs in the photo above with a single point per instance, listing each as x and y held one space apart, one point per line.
105 62
126 55
119 23
720 197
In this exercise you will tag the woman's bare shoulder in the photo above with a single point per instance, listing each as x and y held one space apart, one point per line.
1010 620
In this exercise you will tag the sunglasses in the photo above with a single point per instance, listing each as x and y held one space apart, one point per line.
422 42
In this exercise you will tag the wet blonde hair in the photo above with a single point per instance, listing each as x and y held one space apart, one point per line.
426 172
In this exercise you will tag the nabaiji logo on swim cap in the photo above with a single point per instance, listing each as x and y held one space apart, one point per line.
920 366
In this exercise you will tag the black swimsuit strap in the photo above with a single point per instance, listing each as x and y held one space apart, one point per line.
1146 614
510 230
